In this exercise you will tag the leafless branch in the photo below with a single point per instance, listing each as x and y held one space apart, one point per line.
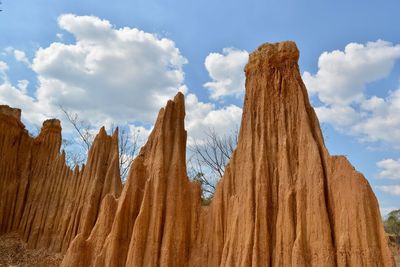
128 145
209 157
81 128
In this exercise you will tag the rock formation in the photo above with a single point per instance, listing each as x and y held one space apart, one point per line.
41 198
157 214
283 200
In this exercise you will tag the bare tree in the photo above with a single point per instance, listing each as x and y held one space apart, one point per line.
208 159
77 149
82 128
129 144
74 154
206 163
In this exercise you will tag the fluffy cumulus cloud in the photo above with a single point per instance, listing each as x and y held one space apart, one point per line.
16 96
340 85
227 72
340 116
202 117
21 56
17 54
391 189
343 75
107 74
3 69
389 168
139 134
382 123
3 72
120 76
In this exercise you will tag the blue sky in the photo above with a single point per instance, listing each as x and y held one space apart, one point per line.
354 89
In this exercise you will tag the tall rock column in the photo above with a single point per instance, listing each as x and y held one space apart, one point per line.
156 215
41 197
283 201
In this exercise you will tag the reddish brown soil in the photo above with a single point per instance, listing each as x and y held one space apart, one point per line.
14 252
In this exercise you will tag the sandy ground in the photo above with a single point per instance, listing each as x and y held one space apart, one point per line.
13 252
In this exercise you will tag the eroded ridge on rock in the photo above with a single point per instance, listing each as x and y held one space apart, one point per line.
157 213
283 200
42 199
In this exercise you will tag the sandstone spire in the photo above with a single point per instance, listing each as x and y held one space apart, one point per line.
158 208
41 198
283 200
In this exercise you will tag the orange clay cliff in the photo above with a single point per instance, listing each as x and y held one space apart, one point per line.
283 200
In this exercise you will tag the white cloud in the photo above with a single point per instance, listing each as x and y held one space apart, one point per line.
23 86
227 72
391 189
382 123
108 74
21 57
340 85
341 116
112 76
201 117
17 54
343 75
3 67
15 96
389 168
139 134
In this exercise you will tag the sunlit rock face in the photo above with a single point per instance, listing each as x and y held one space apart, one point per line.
283 200
41 197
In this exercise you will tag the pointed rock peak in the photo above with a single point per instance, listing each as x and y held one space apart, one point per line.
99 140
178 103
115 133
175 107
102 132
175 111
179 98
169 125
9 111
103 138
273 55
100 137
